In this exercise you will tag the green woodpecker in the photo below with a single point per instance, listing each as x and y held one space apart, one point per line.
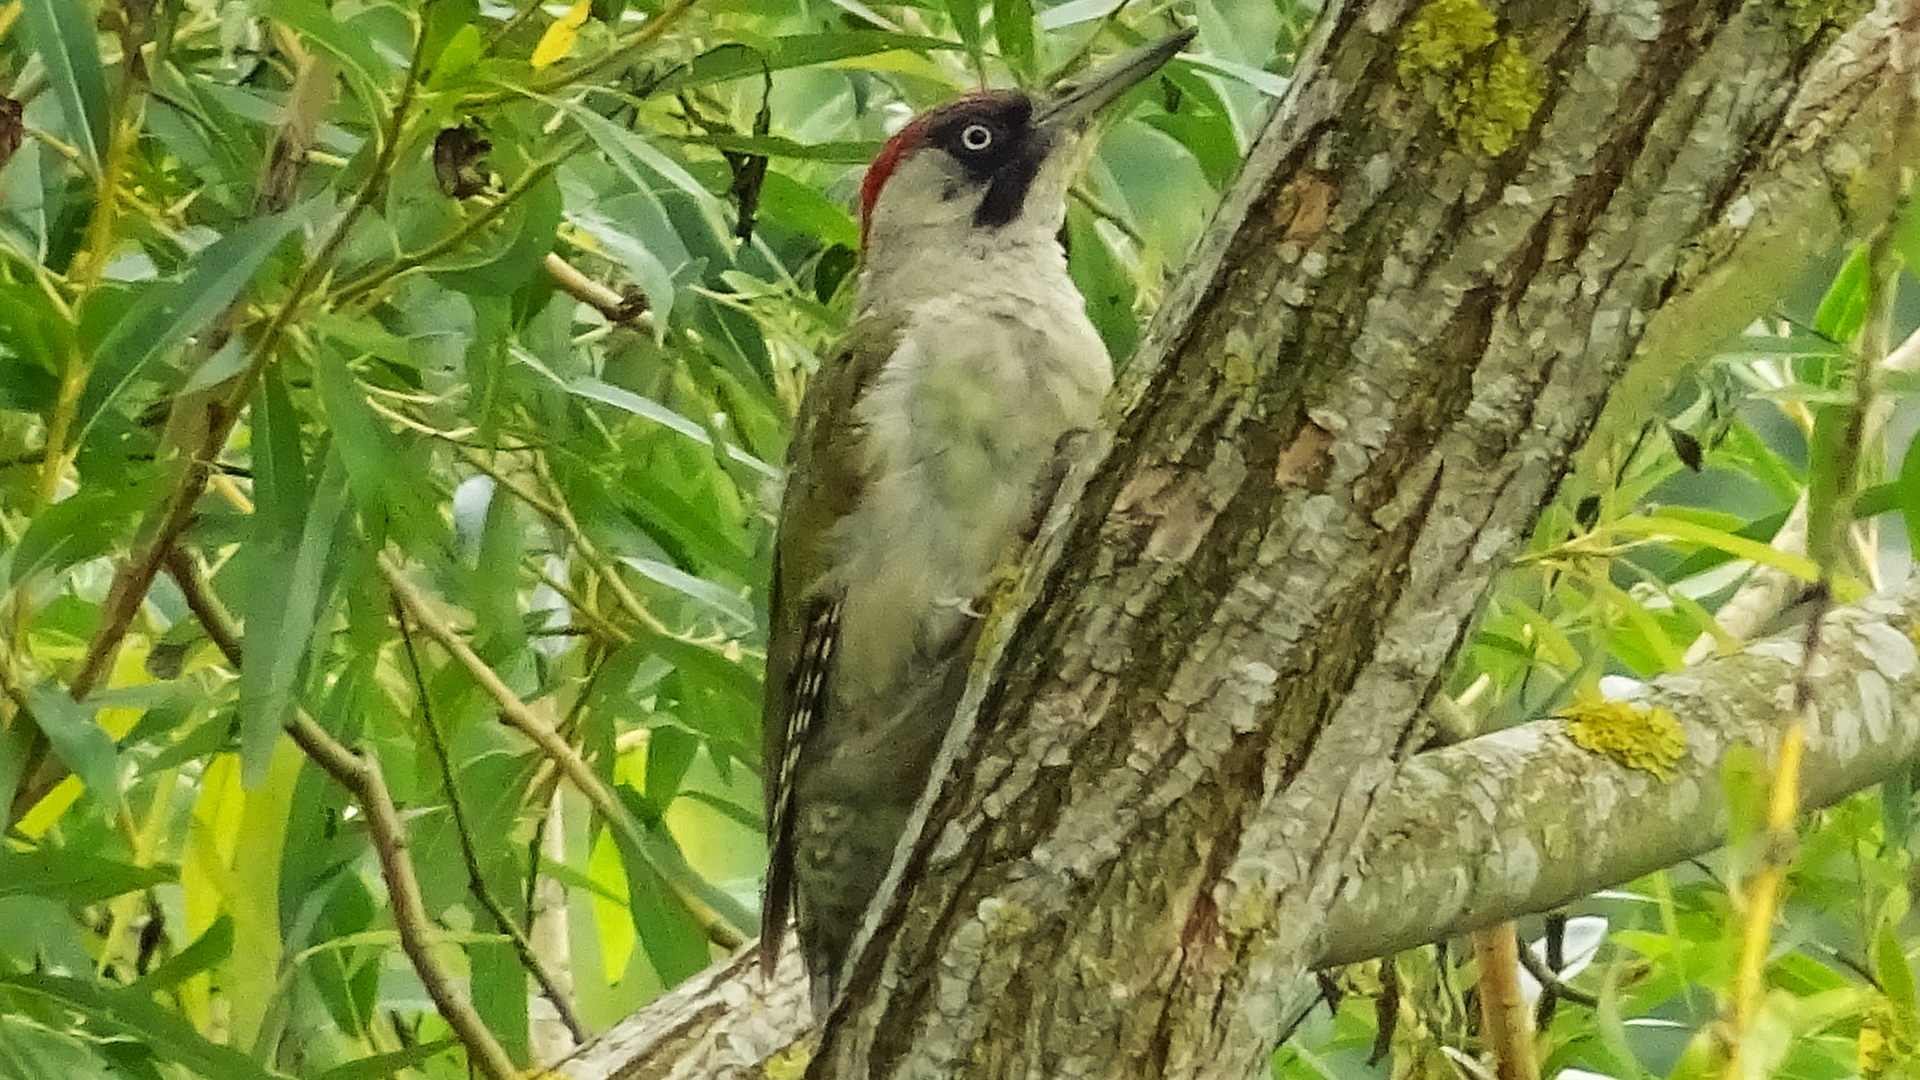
919 460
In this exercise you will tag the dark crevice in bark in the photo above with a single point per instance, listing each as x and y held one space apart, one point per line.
1201 935
893 1040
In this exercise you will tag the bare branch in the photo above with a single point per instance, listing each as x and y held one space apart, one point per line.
361 775
519 716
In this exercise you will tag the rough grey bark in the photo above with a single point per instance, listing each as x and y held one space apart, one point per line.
1344 422
1509 823
1522 820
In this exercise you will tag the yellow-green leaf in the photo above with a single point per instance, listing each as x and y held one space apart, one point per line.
558 41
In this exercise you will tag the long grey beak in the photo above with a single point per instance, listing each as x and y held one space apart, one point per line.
1076 103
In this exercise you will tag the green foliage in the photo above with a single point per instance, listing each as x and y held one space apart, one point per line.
302 299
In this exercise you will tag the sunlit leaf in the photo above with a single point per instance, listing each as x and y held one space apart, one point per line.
558 41
1668 527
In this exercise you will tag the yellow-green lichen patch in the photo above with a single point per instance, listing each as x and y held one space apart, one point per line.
1807 19
790 1063
1442 37
1492 108
1636 737
1482 83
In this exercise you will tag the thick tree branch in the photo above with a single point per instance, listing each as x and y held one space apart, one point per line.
1523 820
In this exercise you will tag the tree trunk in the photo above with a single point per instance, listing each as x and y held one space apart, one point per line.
1402 327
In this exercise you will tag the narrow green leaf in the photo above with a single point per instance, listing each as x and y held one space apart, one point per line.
208 949
79 742
1076 11
1906 487
672 939
606 393
380 1066
791 204
1104 281
1894 973
1264 81
626 150
281 622
282 491
1665 527
1202 123
1661 649
82 526
966 22
499 987
168 314
381 472
1843 311
847 152
75 878
670 753
62 32
1547 641
734 61
726 603
1013 29
753 820
1740 448
131 1011
1760 530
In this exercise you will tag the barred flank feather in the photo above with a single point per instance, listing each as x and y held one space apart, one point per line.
807 700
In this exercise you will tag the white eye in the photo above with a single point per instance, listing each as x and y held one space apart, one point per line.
976 136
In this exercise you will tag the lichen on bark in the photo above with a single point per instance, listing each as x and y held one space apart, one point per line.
1482 83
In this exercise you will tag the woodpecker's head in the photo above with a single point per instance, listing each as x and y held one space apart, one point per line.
991 167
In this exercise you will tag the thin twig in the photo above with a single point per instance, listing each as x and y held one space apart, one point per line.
361 775
615 307
1506 1024
543 735
477 881
205 606
1551 983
